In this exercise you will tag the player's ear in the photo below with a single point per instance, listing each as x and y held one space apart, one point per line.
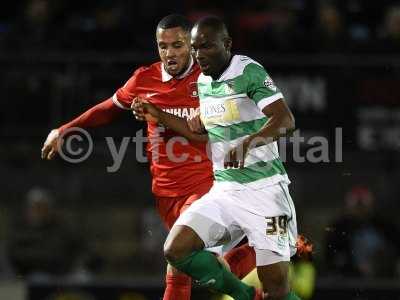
228 44
188 38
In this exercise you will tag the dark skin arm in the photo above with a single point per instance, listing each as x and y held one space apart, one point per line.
280 123
195 124
142 110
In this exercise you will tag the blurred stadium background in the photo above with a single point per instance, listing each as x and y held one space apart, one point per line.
337 62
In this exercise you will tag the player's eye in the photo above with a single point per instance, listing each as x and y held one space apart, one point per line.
178 45
205 46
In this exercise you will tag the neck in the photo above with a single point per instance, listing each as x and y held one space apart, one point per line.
224 66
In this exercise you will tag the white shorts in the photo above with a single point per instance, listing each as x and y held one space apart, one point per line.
266 216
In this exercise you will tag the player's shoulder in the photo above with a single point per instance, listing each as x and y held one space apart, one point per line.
240 65
251 69
152 70
246 64
145 75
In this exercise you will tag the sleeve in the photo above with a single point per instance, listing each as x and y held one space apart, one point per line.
100 114
260 87
124 96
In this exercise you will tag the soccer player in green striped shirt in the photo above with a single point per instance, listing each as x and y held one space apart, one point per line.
243 113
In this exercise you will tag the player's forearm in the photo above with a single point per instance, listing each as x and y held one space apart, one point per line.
276 126
180 126
100 114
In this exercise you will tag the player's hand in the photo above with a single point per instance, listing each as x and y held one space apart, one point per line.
137 110
236 156
304 248
51 145
195 124
144 111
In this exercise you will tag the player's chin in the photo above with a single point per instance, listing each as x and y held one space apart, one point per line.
174 70
205 70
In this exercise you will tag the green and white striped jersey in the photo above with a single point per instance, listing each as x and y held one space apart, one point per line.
231 109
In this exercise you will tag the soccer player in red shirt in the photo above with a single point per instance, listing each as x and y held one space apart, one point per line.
171 85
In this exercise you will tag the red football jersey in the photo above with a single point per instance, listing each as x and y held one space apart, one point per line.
177 166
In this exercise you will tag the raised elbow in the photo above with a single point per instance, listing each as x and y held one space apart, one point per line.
291 123
288 124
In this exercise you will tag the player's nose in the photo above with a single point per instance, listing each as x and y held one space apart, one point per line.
171 53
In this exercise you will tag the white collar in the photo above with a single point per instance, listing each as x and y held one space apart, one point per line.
165 76
231 64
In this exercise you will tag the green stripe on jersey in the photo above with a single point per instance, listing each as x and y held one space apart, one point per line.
256 171
217 89
234 131
259 83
